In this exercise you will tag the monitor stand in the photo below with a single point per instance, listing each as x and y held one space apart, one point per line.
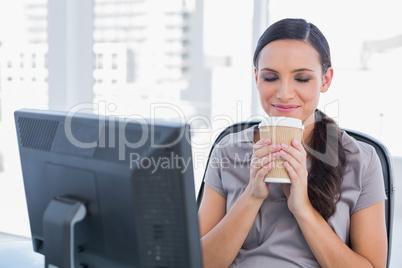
58 231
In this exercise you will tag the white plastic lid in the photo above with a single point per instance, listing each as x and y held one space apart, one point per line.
281 122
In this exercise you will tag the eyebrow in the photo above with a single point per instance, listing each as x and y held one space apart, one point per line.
294 71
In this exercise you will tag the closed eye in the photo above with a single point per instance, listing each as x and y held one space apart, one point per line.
270 78
302 80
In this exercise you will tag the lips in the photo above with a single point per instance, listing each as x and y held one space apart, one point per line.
285 108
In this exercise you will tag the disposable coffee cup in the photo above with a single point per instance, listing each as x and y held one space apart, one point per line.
280 130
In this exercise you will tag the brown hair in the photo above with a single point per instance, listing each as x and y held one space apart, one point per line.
296 29
328 161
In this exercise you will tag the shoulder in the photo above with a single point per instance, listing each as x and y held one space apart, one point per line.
362 160
363 174
232 152
243 136
235 146
240 139
358 152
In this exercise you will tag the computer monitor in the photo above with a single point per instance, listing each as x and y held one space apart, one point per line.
107 191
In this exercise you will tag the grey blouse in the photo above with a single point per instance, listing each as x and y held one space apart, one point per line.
275 239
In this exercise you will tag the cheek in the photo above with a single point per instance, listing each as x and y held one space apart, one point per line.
265 89
265 93
310 92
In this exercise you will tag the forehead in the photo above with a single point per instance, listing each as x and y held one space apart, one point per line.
285 52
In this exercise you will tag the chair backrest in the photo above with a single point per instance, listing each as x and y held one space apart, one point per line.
383 154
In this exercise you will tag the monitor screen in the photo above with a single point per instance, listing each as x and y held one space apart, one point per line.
107 191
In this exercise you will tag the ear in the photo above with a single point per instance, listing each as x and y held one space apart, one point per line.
256 74
327 80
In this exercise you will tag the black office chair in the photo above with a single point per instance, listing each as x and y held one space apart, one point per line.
383 154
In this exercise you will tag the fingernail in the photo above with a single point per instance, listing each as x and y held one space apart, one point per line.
266 140
285 146
283 153
295 142
269 165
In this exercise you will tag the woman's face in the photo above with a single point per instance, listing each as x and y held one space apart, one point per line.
289 79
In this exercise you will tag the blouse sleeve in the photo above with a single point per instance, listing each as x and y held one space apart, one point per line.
372 182
213 176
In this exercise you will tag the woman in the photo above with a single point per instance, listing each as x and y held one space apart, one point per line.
332 213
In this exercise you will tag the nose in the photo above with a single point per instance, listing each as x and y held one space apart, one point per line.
284 91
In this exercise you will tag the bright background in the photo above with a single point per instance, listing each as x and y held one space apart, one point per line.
190 59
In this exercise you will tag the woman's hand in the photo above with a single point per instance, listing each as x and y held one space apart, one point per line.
264 153
295 163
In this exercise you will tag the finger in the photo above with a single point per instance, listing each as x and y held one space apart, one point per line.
298 153
261 146
257 162
262 151
263 171
258 173
294 177
298 168
263 142
297 144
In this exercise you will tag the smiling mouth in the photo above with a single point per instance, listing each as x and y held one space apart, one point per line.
285 108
